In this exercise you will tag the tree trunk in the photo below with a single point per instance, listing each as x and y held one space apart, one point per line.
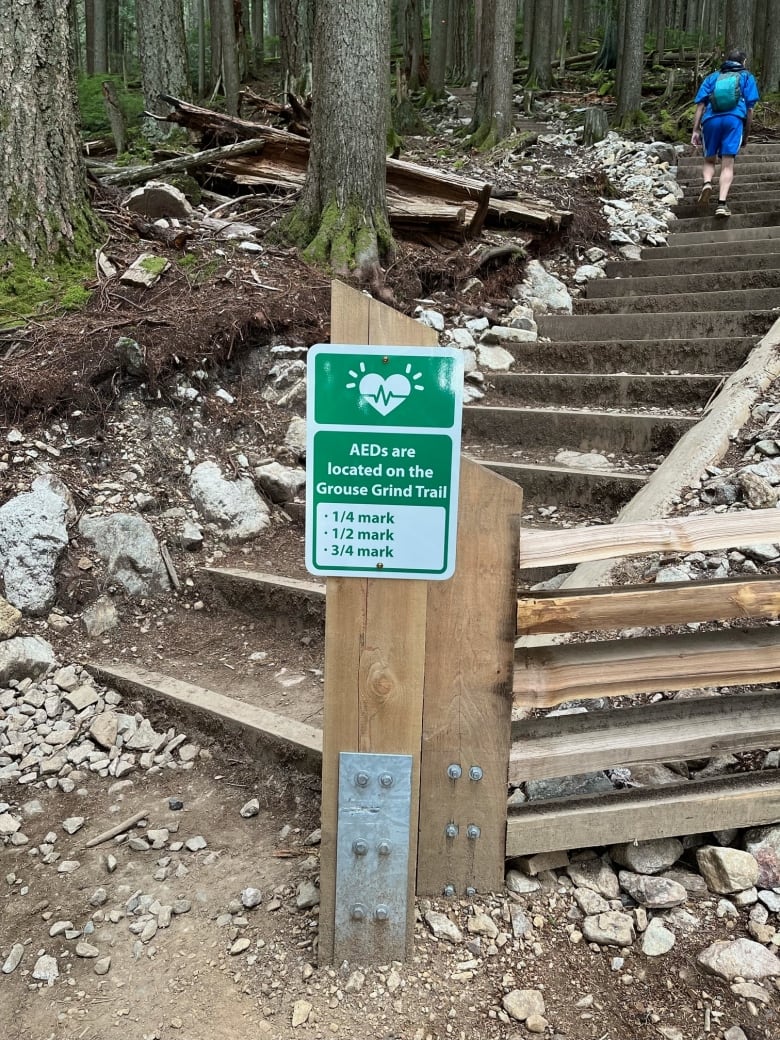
760 29
215 33
100 38
414 63
492 120
608 52
576 26
632 59
89 34
163 56
461 56
529 10
659 30
437 70
296 26
258 35
770 71
739 26
542 46
201 14
43 204
229 47
342 216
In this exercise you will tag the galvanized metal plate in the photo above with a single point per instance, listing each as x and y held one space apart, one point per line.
372 857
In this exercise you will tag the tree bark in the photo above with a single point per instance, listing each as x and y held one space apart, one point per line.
89 34
100 38
162 54
296 27
659 30
437 70
770 71
342 216
529 10
258 35
739 26
542 47
414 60
229 48
43 203
608 52
631 62
461 59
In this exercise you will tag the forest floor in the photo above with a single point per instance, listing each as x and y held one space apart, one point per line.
65 382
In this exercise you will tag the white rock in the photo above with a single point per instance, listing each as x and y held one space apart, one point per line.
442 927
433 319
33 536
46 970
129 548
494 359
234 505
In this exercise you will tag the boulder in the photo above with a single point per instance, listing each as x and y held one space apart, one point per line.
156 199
233 505
727 870
609 929
24 657
657 893
543 291
295 438
739 958
129 549
281 483
10 619
648 857
32 538
494 359
521 1004
763 843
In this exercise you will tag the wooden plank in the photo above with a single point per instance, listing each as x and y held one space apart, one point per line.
664 732
468 681
681 534
549 675
675 603
748 800
374 659
255 725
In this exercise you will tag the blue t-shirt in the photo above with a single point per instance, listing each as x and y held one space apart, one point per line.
748 88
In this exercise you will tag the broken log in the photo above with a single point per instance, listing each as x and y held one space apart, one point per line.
141 174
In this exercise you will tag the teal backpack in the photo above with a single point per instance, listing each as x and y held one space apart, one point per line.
727 92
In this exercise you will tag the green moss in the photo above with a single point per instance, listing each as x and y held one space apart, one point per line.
187 261
94 120
188 186
27 290
154 264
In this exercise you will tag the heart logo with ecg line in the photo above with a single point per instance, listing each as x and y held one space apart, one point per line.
384 395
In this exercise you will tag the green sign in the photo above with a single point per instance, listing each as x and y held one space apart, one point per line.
383 458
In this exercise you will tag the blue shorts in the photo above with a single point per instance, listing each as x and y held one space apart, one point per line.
722 135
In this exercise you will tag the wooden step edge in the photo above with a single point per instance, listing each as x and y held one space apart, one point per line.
692 807
309 589
273 736
602 475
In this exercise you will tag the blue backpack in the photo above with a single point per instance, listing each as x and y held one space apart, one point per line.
727 92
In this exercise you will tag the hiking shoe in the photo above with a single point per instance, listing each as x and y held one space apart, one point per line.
704 194
722 210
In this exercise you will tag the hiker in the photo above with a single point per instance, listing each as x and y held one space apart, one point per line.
724 112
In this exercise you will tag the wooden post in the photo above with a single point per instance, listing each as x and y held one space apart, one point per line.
375 634
468 694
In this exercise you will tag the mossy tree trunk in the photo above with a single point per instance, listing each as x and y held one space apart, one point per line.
43 203
162 53
493 106
341 219
631 62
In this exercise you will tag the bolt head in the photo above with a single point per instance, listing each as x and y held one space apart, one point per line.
449 891
386 780
471 891
381 913
451 830
362 779
360 847
454 772
383 848
475 773
358 912
473 831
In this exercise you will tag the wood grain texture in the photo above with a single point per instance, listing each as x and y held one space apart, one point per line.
374 655
550 675
646 606
683 534
670 731
749 800
468 681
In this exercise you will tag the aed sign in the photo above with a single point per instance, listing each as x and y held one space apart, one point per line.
382 460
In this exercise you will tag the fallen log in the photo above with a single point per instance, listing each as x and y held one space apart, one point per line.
141 174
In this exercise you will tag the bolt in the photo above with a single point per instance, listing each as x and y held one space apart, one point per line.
471 891
381 913
473 831
358 912
361 779
360 847
451 830
386 780
385 360
380 566
454 772
449 891
383 848
475 773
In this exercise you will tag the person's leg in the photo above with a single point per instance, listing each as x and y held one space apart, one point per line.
709 144
726 177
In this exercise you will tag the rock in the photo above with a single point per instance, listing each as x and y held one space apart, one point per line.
727 870
521 1004
657 940
610 929
587 272
102 966
234 505
281 483
307 895
46 969
191 536
10 619
355 982
506 336
250 809
543 291
82 697
68 866
583 460
771 900
567 786
156 199
735 1033
739 958
752 991
658 893
494 359
33 536
239 946
763 843
536 1024
104 729
127 545
24 657
461 338
758 492
8 825
300 1013
195 844
590 902
100 617
442 927
73 824
13 959
87 951
99 897
482 924
520 883
295 438
596 875
648 857
251 897
433 319
144 738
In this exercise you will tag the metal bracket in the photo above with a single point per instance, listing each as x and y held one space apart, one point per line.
372 857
